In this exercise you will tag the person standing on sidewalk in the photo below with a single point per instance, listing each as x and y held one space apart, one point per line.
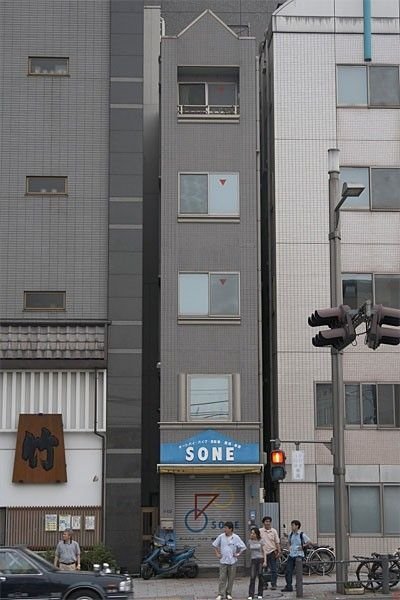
273 548
258 557
298 541
228 547
68 553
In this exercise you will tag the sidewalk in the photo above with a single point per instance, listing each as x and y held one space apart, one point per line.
205 588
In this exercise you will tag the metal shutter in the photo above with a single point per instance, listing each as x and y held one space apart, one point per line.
203 503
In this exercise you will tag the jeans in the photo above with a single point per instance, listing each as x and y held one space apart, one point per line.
226 578
271 564
256 568
290 567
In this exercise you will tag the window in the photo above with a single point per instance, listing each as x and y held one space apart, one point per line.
364 509
12 563
51 186
209 397
391 503
382 194
209 194
58 67
367 404
356 175
387 290
44 300
208 98
368 86
373 509
208 91
326 509
209 295
357 288
380 289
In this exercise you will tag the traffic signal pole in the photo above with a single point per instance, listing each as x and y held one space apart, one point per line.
339 464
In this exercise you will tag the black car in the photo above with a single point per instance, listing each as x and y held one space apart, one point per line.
24 574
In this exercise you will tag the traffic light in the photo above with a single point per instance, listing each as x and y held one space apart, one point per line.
377 335
342 331
277 459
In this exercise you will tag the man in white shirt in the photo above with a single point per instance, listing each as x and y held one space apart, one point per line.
228 547
272 547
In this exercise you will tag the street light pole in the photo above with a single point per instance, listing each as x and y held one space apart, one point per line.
339 464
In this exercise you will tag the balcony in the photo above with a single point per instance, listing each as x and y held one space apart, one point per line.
208 94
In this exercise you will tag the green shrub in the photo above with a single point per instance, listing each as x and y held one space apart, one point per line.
99 554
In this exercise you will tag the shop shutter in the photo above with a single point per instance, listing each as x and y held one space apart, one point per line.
203 503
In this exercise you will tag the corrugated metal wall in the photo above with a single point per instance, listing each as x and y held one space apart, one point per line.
27 526
216 500
71 393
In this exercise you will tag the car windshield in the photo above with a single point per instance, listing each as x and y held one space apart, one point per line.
43 562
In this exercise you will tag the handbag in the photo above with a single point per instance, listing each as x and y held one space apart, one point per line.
266 575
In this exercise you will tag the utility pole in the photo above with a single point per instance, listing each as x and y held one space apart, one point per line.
339 464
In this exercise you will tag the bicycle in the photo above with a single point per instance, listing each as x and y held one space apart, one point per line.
319 560
370 573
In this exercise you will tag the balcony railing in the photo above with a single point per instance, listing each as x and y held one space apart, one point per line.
208 111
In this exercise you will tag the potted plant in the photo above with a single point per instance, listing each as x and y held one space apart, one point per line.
354 588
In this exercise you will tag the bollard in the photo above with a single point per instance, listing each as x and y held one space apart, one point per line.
299 577
385 573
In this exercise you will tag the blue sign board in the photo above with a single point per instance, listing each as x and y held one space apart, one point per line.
210 447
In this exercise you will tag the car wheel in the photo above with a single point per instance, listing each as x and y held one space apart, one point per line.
84 595
192 571
146 572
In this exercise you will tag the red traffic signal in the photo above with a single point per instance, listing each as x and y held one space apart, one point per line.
377 335
342 331
277 459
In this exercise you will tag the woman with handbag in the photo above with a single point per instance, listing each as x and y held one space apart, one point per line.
258 556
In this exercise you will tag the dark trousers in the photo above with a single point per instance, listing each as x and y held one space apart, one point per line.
256 568
290 567
271 564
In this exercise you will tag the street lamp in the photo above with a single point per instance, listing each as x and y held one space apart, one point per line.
336 200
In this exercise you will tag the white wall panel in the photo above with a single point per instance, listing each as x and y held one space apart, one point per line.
84 474
80 397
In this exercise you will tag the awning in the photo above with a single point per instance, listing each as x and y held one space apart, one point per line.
209 469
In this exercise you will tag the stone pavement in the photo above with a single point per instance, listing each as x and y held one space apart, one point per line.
205 588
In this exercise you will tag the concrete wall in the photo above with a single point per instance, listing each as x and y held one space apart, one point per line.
54 126
206 147
307 123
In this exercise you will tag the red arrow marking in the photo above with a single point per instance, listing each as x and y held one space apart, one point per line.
197 511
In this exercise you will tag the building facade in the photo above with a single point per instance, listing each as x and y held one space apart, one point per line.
80 254
210 402
321 90
71 256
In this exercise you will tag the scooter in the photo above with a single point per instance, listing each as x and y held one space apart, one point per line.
163 561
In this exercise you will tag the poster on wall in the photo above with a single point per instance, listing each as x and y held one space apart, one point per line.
50 522
75 522
89 522
64 522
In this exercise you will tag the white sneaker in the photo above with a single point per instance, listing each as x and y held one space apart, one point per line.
260 597
219 597
228 597
249 597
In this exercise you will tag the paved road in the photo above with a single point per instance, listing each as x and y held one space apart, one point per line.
205 588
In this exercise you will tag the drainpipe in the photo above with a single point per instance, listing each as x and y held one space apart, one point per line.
103 453
367 31
259 301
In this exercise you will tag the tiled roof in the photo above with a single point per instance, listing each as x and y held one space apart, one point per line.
52 341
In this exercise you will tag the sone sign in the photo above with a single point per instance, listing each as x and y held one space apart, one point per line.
209 447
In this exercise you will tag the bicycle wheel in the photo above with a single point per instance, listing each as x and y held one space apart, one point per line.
369 574
322 561
281 563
